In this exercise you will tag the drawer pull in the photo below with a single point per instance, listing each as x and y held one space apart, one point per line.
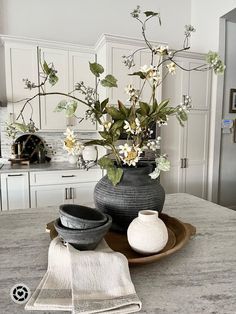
15 175
68 176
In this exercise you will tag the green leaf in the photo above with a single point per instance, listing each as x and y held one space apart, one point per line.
105 135
95 142
117 125
140 74
145 109
69 106
115 114
109 81
162 104
96 68
46 68
53 79
20 126
123 109
105 162
114 175
154 107
150 13
104 103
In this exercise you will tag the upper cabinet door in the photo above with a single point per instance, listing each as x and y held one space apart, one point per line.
21 63
199 86
121 72
51 120
79 71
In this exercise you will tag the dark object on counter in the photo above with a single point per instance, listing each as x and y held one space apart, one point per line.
86 239
80 217
31 147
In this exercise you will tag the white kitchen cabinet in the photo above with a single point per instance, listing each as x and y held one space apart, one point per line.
55 195
79 71
52 188
21 63
110 50
23 59
15 190
51 120
187 147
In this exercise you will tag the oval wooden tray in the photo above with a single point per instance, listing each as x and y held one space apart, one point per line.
179 234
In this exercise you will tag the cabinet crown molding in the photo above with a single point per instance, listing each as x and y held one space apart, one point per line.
5 39
110 38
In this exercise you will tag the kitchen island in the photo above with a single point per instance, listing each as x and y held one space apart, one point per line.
198 279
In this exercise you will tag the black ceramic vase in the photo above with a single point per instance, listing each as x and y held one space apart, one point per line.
136 191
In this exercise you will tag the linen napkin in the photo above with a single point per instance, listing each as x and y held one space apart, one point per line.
85 282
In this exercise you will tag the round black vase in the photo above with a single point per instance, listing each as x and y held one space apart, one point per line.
136 191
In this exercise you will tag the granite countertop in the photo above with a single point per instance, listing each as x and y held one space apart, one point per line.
48 166
198 279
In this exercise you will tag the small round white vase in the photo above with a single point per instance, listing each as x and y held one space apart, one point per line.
72 159
147 234
90 153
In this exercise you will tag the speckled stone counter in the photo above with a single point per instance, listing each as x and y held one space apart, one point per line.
49 166
198 279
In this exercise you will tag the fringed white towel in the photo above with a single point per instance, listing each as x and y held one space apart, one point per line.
85 282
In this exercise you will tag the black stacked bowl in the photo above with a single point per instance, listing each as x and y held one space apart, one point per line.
81 226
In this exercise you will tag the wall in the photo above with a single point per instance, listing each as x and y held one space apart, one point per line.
84 21
205 15
227 196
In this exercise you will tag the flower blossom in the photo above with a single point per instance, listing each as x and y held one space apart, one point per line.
132 92
171 68
129 154
154 145
71 144
107 125
162 50
133 127
151 73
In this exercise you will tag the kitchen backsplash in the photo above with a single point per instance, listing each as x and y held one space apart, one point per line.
53 141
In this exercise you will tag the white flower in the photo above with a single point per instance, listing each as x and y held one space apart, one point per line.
154 145
69 133
107 125
162 122
162 50
171 68
133 127
130 154
71 144
151 73
132 92
125 149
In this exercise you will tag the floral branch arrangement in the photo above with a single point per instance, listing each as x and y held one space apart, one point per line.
137 119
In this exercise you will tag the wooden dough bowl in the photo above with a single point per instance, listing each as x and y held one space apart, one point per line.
179 234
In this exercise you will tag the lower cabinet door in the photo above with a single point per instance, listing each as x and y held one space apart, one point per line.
15 190
55 195
83 193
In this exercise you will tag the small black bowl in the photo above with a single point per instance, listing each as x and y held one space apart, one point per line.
83 239
80 217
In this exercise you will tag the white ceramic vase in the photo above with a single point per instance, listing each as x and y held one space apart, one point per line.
73 159
147 234
90 153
